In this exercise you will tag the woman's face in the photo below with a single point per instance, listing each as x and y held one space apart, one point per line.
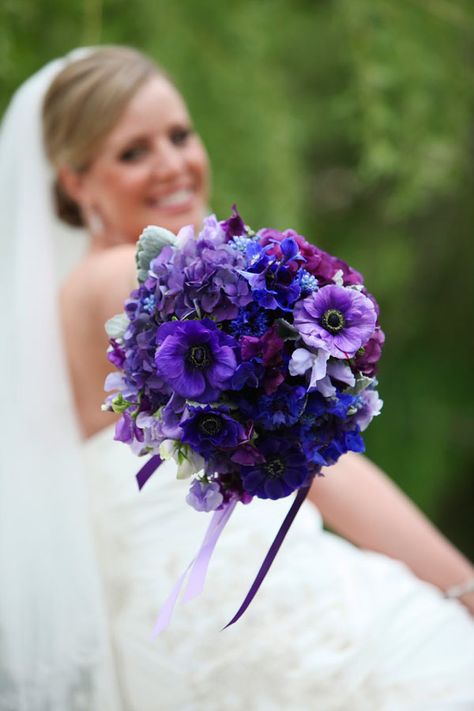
151 169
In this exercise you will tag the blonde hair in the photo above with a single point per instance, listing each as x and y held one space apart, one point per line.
83 104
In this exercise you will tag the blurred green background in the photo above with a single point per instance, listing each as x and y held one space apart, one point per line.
350 121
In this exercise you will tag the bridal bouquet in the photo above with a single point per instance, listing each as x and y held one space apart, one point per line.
249 358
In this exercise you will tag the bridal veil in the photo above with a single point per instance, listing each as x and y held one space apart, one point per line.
53 634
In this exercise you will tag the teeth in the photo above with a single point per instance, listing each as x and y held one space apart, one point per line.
174 199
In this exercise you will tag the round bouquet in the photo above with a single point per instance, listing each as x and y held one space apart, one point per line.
250 358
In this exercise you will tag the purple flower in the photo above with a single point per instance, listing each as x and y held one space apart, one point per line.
250 321
212 229
116 354
234 226
317 262
366 359
337 319
204 496
273 284
209 428
282 407
284 470
266 350
371 405
126 429
195 358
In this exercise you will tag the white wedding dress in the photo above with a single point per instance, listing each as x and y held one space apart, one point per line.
331 628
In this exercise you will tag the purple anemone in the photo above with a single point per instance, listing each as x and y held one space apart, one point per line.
209 428
195 358
337 319
284 469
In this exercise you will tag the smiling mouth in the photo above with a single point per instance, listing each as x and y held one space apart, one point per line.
180 198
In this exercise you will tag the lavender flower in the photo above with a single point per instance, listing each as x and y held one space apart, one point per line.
370 407
204 496
337 319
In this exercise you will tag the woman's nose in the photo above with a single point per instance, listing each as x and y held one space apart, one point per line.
168 160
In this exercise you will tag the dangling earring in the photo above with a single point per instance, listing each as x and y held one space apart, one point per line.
95 222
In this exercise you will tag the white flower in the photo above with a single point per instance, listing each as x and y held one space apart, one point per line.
185 235
188 462
302 360
341 371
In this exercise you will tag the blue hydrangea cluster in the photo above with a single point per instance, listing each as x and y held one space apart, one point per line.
248 358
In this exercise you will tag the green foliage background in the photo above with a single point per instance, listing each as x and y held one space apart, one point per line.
350 121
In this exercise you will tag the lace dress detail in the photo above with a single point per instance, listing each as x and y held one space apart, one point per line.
332 628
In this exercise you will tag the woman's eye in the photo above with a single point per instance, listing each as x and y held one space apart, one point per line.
179 136
132 154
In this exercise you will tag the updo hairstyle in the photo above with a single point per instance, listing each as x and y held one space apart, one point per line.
82 106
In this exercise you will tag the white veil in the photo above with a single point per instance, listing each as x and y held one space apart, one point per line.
53 635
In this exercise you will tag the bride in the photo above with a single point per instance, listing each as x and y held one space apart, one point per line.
102 140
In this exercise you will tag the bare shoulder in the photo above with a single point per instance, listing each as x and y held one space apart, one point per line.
101 282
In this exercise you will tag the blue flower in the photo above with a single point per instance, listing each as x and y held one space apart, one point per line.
319 406
251 321
308 282
273 285
149 303
282 408
240 243
284 470
326 442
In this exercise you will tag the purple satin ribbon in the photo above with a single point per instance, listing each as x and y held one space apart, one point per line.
198 566
147 470
274 548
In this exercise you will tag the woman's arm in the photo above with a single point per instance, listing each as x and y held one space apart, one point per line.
361 503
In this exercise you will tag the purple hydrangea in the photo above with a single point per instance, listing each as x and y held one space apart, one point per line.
337 319
195 358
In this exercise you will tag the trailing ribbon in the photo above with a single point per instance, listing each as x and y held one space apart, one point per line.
147 470
198 567
274 548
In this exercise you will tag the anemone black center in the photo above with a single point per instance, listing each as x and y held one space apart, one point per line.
210 425
199 356
333 321
275 468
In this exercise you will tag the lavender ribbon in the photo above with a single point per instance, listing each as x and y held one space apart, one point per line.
198 566
274 548
147 470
